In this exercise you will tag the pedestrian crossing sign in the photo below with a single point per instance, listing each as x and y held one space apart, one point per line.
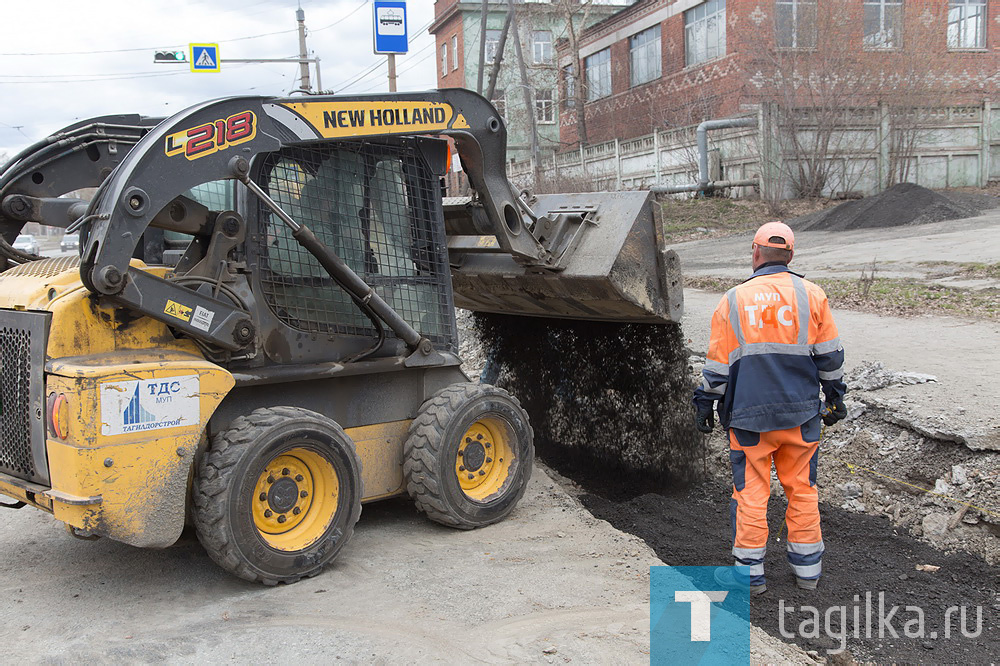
204 57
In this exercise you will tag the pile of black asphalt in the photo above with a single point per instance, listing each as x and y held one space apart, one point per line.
900 205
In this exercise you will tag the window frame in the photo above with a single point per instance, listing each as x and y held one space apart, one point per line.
590 64
546 55
545 109
647 48
492 45
444 59
883 5
454 52
797 30
569 80
982 18
693 23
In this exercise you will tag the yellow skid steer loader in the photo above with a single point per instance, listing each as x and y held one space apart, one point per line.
258 334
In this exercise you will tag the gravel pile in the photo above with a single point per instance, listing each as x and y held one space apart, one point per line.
900 205
873 375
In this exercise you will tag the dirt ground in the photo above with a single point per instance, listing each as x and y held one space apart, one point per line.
551 584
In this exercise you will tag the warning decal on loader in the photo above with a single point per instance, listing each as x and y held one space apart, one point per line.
178 311
150 404
334 120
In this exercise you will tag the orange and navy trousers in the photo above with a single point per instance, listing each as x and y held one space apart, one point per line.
794 453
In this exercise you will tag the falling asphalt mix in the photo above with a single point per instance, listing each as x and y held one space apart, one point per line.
603 402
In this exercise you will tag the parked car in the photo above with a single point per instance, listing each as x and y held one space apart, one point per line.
70 242
27 243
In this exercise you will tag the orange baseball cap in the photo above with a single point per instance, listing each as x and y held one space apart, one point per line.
771 230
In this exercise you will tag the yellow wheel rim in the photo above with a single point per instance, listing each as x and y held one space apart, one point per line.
295 499
485 459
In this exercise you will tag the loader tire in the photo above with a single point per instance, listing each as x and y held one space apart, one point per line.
277 495
468 455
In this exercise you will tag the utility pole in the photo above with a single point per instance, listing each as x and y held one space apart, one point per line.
304 83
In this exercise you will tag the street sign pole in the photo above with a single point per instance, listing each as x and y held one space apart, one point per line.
392 72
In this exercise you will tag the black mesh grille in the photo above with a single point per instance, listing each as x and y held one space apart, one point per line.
374 205
15 401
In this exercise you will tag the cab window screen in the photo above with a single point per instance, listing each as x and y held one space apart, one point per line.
374 206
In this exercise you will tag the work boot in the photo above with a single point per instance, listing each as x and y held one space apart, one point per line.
806 583
729 579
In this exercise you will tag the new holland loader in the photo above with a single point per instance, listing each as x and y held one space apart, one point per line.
258 335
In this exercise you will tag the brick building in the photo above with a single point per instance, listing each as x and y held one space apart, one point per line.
661 64
457 27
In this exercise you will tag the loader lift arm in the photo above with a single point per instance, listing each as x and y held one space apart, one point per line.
217 140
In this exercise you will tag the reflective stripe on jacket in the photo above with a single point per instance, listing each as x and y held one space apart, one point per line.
773 345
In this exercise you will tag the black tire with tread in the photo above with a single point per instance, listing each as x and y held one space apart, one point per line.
432 443
231 455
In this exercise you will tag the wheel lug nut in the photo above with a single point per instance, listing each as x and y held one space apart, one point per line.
472 476
489 460
296 511
479 436
461 468
270 479
468 440
299 477
267 513
482 473
487 445
263 497
461 454
303 494
282 518
284 472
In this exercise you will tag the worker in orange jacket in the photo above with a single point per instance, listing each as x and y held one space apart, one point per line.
774 346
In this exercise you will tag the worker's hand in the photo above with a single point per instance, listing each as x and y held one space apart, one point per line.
834 411
705 419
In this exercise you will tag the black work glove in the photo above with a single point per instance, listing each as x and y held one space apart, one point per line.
704 419
834 411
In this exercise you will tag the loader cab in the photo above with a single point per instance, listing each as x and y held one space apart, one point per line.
377 205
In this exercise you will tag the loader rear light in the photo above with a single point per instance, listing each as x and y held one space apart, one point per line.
447 166
59 415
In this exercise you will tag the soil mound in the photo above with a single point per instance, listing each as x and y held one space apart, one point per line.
900 205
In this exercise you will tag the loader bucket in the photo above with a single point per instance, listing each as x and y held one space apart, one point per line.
610 263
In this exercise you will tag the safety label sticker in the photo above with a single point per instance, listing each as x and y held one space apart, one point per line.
177 310
149 404
202 318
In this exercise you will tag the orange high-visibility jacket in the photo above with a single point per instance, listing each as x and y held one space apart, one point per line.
773 346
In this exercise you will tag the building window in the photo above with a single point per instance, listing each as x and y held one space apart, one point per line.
444 59
883 24
454 51
597 69
500 102
569 86
705 32
541 47
545 108
644 55
967 24
795 23
492 44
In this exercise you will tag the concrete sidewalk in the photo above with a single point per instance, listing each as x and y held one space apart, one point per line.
964 356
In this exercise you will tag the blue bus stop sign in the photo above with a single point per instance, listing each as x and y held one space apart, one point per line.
390 26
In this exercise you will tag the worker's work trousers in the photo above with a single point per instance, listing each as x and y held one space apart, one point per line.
795 452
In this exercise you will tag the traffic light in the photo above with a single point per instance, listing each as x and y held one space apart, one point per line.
170 56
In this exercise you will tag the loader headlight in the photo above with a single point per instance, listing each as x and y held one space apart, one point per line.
59 415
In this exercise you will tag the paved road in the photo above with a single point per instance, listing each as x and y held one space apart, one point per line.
897 251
